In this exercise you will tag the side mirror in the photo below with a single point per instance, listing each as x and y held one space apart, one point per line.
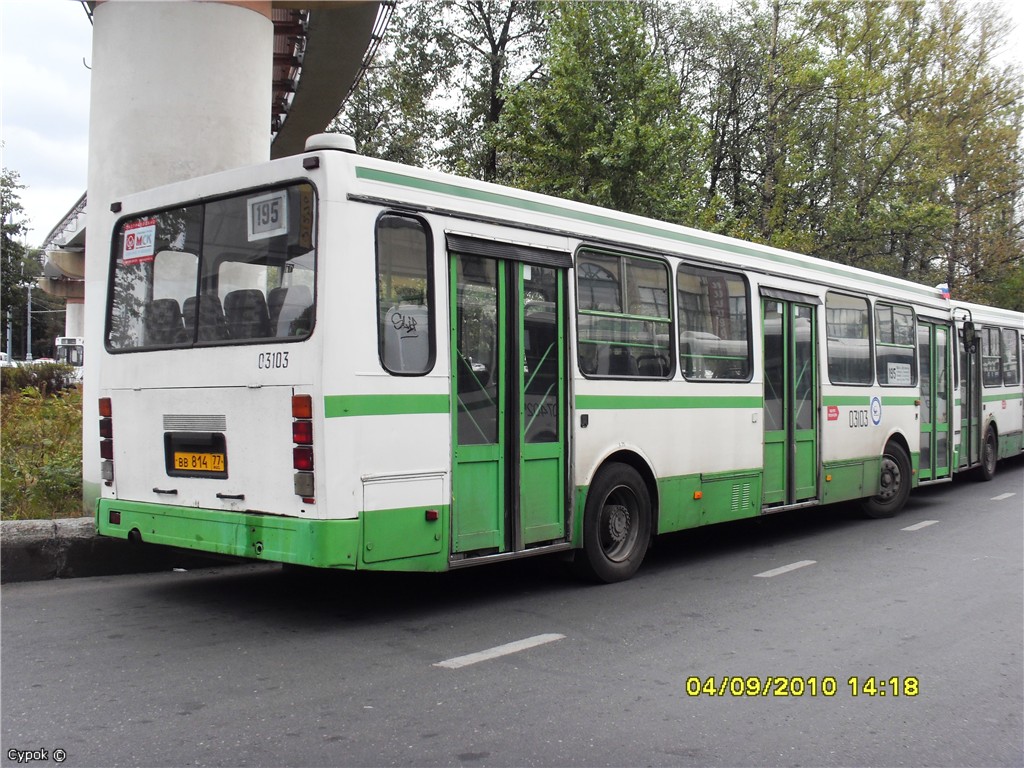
970 336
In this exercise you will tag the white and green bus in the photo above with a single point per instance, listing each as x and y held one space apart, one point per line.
335 361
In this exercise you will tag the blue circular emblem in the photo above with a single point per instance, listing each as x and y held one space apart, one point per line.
876 410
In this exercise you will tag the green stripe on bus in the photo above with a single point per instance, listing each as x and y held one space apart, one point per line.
383 405
606 220
863 400
847 400
999 398
655 402
890 400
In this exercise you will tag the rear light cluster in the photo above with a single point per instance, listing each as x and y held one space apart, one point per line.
106 441
302 452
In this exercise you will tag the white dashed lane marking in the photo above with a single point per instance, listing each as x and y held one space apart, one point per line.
500 650
919 526
1003 496
784 569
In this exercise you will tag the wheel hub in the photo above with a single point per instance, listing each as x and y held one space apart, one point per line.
890 480
618 522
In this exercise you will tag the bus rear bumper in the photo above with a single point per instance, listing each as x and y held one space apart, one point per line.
316 543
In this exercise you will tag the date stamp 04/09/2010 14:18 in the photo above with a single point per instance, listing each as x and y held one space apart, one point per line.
813 685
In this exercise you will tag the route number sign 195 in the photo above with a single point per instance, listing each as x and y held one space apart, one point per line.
267 215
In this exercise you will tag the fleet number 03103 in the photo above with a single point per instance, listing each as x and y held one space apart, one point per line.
269 360
773 685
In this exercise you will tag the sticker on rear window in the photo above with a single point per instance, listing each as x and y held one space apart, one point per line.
139 241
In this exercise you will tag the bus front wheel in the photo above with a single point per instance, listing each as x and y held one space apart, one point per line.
616 525
893 484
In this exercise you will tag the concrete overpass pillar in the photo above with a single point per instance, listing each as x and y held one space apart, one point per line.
179 89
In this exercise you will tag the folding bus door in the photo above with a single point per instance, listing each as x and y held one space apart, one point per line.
509 388
936 411
790 399
970 403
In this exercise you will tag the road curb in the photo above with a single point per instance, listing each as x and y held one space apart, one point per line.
36 550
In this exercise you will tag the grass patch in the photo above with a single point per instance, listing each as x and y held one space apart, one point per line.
41 459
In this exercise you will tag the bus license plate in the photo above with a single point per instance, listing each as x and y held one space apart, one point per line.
198 462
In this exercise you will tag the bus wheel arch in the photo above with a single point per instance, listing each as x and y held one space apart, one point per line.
895 480
989 452
618 519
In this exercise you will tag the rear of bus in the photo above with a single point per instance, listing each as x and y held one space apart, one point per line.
210 366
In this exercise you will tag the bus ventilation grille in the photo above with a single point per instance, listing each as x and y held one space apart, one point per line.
740 497
174 422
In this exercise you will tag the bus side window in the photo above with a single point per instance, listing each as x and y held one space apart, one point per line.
848 331
623 316
1011 358
895 347
714 324
991 357
406 338
405 334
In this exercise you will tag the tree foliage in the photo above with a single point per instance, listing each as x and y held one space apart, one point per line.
18 271
882 135
602 125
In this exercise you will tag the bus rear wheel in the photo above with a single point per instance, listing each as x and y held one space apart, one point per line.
893 484
989 455
616 525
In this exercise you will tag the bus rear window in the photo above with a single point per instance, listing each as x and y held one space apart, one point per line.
234 270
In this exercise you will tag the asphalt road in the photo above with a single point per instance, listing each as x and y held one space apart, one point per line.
244 666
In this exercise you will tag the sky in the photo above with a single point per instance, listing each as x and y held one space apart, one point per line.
45 49
45 46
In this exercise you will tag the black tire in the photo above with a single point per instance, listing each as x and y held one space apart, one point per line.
989 455
616 525
893 485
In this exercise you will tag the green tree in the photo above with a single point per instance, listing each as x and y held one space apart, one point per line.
874 83
499 43
972 143
602 124
18 271
19 267
395 113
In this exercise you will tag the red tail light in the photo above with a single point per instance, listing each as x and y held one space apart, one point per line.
106 440
302 451
302 458
302 432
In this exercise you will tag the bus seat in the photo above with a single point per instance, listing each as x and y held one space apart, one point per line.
246 313
621 362
164 323
212 326
289 310
652 365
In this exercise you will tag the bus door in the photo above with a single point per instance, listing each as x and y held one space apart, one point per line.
970 402
509 396
936 385
790 399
